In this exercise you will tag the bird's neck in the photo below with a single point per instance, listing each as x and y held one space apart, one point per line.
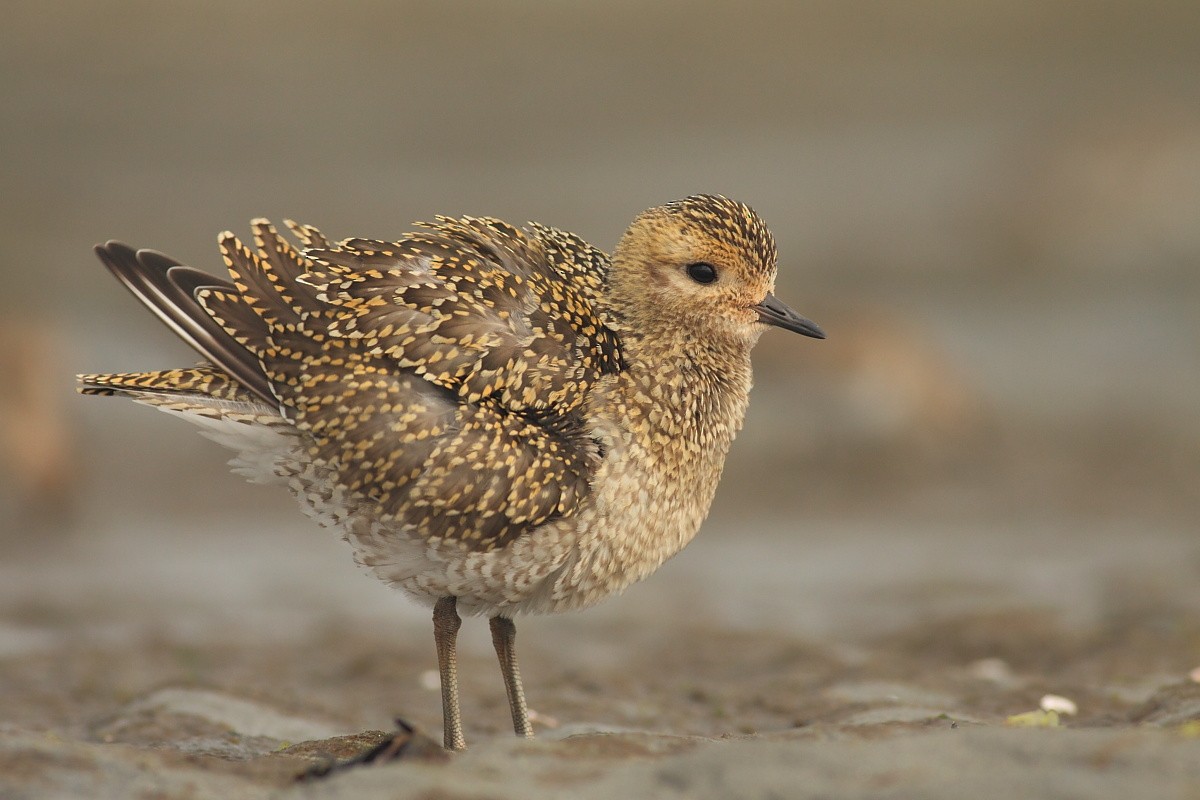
708 376
679 405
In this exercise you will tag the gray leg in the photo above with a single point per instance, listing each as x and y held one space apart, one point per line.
504 634
445 635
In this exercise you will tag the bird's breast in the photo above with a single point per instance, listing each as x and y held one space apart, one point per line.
665 435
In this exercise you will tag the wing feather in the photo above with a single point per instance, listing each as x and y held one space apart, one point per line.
441 378
165 287
474 305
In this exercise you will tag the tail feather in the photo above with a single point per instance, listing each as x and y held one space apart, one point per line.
199 381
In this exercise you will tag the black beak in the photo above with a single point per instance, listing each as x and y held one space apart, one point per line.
773 312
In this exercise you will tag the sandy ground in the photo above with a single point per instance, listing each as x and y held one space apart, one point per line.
842 656
224 664
981 490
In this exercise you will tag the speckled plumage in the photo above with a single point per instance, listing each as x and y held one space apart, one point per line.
501 417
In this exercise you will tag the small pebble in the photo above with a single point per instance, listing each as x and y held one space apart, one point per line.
1059 704
991 669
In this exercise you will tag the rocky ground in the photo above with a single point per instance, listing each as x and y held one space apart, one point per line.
226 657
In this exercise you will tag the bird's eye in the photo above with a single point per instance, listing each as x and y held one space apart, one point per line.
702 272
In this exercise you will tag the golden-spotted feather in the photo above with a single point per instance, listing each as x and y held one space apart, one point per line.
203 380
473 305
443 405
582 264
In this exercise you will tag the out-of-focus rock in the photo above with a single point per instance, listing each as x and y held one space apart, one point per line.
37 455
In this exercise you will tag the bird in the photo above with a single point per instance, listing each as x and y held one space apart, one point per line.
499 420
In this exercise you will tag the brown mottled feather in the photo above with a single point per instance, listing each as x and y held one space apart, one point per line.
282 266
474 305
165 287
580 263
307 234
204 380
440 377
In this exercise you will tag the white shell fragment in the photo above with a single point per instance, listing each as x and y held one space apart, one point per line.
1063 705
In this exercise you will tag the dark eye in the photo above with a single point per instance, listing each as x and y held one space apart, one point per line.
702 272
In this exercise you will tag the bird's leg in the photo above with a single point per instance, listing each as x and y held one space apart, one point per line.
504 634
446 623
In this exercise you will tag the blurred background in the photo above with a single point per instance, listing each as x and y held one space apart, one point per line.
992 208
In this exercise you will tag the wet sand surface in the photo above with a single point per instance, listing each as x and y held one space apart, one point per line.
224 661
981 490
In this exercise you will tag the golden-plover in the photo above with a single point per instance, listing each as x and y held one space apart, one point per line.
500 420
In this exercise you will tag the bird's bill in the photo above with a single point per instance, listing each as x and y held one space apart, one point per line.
772 312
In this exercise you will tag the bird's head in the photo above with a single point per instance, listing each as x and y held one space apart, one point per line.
702 266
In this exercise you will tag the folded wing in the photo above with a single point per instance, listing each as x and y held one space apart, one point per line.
442 378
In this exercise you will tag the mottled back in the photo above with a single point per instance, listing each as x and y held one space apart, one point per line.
476 306
441 377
